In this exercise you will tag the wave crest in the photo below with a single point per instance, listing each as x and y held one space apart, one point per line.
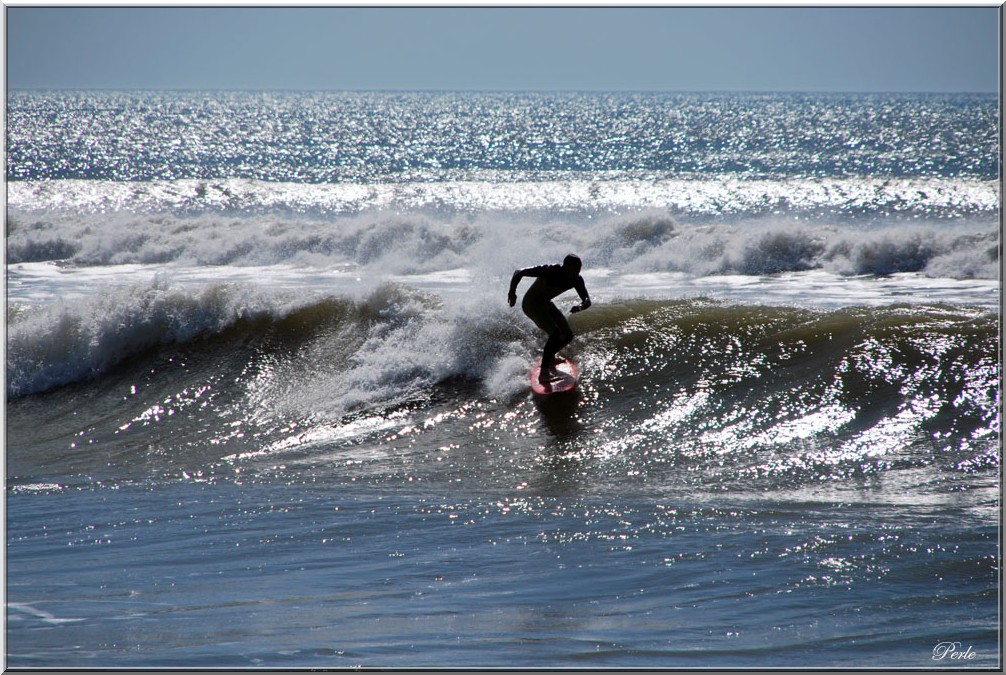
66 342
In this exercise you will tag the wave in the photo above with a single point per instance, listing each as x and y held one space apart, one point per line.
692 394
712 372
794 395
396 336
638 242
68 341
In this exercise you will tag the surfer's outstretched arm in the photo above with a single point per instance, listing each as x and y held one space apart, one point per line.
515 279
581 290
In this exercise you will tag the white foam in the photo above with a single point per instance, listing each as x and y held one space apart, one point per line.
389 243
72 338
413 341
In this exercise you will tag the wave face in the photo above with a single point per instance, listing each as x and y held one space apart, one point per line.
778 390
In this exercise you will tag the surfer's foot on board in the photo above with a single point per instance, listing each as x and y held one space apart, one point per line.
547 372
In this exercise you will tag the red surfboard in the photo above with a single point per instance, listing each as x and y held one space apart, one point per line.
562 378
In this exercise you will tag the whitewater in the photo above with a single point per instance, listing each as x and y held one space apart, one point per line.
267 405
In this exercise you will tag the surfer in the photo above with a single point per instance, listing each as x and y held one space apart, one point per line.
550 281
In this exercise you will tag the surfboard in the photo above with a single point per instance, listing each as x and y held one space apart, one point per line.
563 378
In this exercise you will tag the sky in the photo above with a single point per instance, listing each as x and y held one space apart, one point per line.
648 48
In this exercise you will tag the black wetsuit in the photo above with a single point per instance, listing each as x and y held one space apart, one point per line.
551 281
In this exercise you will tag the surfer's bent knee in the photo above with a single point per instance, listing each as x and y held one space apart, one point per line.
541 314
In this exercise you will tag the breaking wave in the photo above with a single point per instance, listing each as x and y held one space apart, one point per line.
648 241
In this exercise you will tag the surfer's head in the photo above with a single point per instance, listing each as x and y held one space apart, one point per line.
572 263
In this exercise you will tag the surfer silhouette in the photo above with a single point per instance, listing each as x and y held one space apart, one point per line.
549 282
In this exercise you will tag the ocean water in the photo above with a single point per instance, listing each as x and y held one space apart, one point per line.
267 405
